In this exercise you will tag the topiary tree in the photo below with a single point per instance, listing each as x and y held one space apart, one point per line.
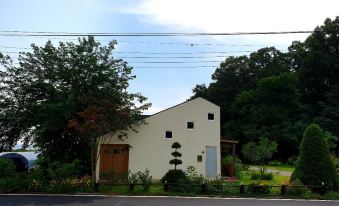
174 176
315 166
176 154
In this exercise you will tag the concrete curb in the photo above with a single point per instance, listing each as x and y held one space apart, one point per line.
177 197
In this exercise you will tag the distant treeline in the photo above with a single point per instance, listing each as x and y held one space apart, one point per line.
276 94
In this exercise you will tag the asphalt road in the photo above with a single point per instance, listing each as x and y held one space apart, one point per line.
15 200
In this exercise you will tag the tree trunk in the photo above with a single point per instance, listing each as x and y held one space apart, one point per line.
93 166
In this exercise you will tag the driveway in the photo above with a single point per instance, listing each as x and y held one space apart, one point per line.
283 173
16 200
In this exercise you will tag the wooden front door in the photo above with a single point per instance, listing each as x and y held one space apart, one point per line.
114 157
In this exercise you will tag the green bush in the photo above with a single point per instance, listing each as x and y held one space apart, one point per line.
238 164
215 186
293 160
9 184
57 170
229 160
256 189
314 165
145 179
132 177
7 168
109 176
267 176
261 176
293 189
336 163
173 176
192 176
331 196
275 163
38 174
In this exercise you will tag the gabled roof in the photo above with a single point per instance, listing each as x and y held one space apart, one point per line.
189 100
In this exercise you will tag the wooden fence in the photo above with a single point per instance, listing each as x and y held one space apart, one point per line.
225 189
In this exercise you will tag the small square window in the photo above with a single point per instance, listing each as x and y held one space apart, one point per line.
199 158
190 125
210 116
168 135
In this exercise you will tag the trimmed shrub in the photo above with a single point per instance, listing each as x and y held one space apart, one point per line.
173 176
176 155
314 165
261 176
275 163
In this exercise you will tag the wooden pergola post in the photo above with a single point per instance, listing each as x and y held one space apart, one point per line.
224 141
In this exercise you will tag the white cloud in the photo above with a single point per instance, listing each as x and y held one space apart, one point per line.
236 16
240 15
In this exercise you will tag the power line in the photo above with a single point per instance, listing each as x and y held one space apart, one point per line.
162 57
175 57
172 62
151 53
137 34
175 67
161 43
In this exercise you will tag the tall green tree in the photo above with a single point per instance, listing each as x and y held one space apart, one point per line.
237 74
62 98
316 60
315 166
329 118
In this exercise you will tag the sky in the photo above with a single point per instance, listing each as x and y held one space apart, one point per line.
166 84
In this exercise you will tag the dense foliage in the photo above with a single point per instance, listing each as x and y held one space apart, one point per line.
259 153
315 166
275 94
173 176
62 98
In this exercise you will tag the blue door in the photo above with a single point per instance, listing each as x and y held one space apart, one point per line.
211 161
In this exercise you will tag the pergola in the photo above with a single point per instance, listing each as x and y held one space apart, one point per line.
225 146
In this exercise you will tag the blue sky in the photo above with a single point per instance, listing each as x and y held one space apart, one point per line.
165 87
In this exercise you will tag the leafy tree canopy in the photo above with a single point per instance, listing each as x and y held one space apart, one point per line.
62 98
268 111
259 153
248 104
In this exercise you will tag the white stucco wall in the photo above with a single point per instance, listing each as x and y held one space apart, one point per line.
149 148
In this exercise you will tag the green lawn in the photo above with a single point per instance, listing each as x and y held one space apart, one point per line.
277 179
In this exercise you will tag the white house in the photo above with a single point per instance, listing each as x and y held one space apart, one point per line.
195 124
